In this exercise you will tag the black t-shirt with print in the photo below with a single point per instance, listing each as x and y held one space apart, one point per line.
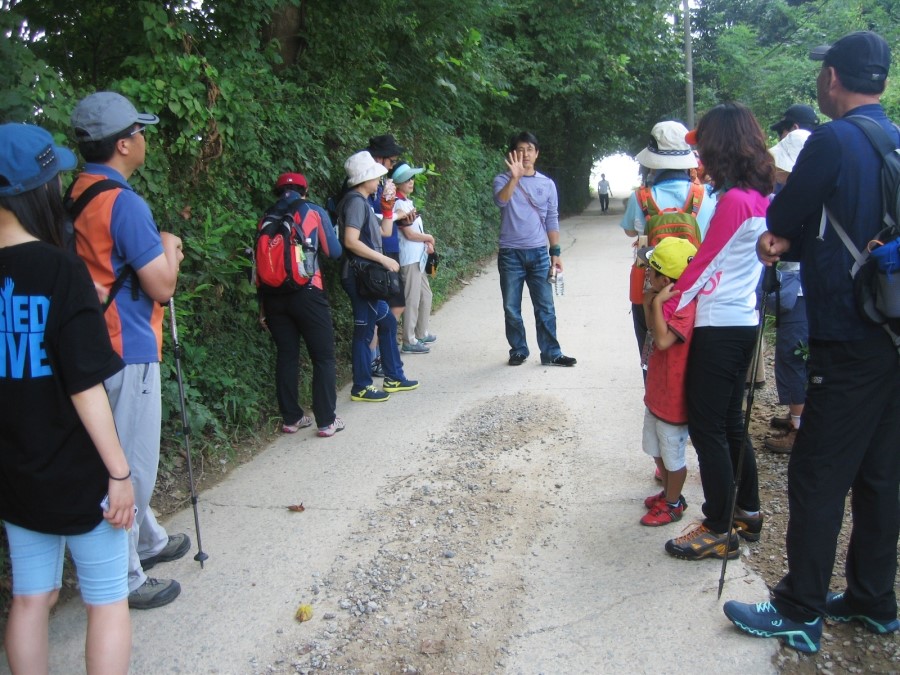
53 343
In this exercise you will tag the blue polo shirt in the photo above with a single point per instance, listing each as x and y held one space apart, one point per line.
840 169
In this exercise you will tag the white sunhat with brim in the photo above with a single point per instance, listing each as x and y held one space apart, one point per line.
361 167
667 148
788 148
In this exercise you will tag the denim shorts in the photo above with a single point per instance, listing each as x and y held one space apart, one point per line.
664 440
101 561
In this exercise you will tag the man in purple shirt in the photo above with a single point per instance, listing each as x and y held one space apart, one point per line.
529 220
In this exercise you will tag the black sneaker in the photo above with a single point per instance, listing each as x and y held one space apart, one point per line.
377 368
154 593
748 527
561 360
701 542
178 545
836 609
517 359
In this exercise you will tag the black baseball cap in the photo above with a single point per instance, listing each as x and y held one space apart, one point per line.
863 57
385 146
801 115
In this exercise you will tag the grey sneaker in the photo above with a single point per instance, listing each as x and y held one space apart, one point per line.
416 348
177 546
154 593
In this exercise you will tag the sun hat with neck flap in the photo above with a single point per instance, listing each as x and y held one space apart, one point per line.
667 148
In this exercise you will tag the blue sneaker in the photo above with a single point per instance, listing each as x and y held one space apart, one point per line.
836 609
761 619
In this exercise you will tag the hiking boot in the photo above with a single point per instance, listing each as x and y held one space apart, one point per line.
517 359
331 429
748 527
377 368
783 423
399 385
761 619
701 543
416 348
662 514
154 593
836 609
428 339
651 501
561 360
302 423
369 394
175 548
782 444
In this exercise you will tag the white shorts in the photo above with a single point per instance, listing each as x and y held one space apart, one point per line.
664 440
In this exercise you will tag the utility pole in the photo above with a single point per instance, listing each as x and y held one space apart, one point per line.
688 67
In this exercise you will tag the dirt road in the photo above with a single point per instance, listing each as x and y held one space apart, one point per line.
487 522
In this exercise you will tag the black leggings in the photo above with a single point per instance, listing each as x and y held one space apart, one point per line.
717 366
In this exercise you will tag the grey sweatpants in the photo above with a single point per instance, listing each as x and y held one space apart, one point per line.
134 396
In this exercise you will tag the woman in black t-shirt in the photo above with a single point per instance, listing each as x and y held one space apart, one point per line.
64 479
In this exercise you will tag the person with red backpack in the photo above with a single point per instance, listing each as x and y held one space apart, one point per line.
299 308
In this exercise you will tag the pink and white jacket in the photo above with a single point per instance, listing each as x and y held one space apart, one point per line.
724 274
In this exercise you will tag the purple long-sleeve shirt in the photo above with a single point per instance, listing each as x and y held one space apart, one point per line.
531 212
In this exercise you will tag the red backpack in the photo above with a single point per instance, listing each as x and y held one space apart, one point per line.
285 255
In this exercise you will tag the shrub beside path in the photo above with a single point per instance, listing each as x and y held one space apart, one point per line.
487 522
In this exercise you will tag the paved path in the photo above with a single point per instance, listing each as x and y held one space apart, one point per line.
598 594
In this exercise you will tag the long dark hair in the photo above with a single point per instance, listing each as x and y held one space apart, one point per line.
40 211
733 149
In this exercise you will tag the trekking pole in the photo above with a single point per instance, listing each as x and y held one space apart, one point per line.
769 285
186 431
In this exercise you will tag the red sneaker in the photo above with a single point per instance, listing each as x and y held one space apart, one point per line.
662 514
653 500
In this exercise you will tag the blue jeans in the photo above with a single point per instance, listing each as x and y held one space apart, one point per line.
528 266
367 315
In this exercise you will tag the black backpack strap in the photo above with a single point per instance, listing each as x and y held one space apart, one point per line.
75 207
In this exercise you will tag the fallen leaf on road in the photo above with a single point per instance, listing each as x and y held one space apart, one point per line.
432 646
299 508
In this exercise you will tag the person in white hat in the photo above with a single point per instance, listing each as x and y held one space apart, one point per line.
669 160
361 234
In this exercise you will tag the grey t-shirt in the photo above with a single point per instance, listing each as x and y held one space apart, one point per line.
354 211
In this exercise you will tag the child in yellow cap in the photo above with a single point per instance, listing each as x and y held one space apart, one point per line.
665 431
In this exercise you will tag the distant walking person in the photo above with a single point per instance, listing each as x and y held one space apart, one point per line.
850 431
604 192
529 219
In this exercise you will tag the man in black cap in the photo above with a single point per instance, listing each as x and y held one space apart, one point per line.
798 116
850 433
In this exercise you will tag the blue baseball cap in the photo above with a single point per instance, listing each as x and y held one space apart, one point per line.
29 158
404 172
863 57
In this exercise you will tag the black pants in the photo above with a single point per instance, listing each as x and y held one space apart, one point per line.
849 437
304 313
604 203
717 366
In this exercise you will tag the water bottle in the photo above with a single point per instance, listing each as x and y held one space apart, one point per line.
559 286
309 258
